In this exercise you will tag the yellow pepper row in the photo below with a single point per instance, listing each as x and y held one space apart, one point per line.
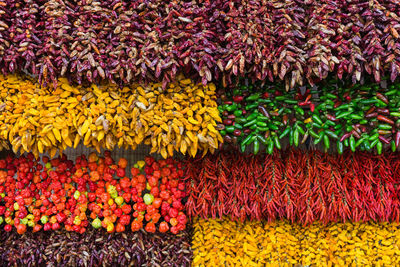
181 118
280 243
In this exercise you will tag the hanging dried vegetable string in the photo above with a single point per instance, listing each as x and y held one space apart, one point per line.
296 185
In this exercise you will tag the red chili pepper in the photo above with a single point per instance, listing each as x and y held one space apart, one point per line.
305 103
397 140
382 97
331 117
237 99
371 115
383 139
385 119
383 111
312 107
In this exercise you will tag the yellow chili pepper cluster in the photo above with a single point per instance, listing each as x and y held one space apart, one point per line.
280 243
181 118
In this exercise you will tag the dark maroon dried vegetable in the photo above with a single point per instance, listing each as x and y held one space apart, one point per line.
296 41
94 248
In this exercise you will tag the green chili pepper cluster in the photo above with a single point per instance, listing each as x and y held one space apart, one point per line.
364 117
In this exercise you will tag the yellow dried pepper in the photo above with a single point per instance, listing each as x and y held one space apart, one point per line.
45 120
281 243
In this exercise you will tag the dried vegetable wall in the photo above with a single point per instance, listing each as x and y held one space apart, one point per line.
200 133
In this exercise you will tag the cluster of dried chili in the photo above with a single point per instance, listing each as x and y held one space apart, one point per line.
281 243
95 248
294 41
295 185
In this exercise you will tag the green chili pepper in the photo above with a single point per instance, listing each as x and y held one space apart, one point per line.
379 147
395 114
261 124
280 97
250 123
344 106
246 141
326 141
251 106
316 125
319 139
385 126
340 147
263 129
290 101
359 142
270 147
240 120
277 143
320 106
242 147
299 110
330 123
355 117
313 134
329 102
346 142
367 144
253 97
272 126
381 103
262 118
222 132
393 144
291 137
337 127
230 129
329 95
317 119
237 113
253 127
262 139
373 137
296 137
256 147
374 143
238 126
232 107
252 116
368 101
300 129
331 134
352 143
285 132
343 114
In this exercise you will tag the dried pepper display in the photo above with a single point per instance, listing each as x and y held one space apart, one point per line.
228 243
91 192
295 41
334 114
181 118
296 185
95 248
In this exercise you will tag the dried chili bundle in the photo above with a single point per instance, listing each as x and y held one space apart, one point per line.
296 185
125 41
94 248
260 243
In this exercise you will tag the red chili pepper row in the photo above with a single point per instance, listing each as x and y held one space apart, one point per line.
295 185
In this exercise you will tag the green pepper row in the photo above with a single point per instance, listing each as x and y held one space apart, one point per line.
364 117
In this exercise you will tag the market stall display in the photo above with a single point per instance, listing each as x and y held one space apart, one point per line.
199 133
